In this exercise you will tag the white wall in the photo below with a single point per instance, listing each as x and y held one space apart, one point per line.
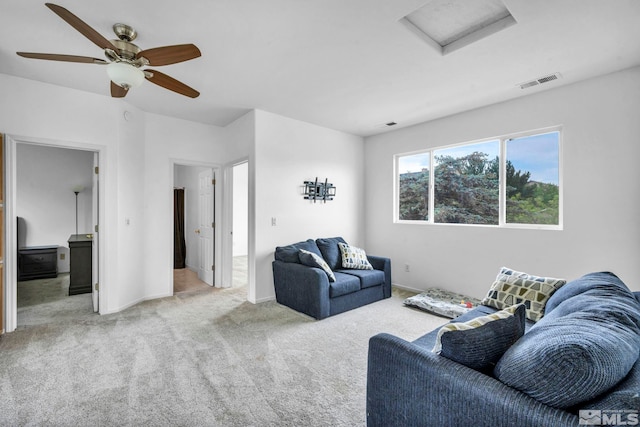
288 152
45 178
169 141
601 187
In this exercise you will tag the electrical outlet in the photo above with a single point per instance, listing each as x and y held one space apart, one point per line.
407 268
62 255
273 221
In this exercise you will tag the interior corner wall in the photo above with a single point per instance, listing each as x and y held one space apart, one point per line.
287 153
600 151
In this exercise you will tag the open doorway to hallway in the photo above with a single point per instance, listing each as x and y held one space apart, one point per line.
230 227
194 228
240 232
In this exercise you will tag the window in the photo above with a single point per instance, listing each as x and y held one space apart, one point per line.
509 181
414 187
466 184
532 179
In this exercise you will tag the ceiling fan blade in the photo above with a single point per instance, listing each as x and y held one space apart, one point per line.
65 58
170 54
118 91
170 83
81 26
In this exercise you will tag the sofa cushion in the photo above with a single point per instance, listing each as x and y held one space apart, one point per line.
624 396
368 278
312 260
354 258
344 284
480 342
289 253
586 345
513 287
330 251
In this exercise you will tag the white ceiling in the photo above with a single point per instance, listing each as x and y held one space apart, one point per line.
343 64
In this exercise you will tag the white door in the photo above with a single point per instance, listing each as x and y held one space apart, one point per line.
205 231
95 218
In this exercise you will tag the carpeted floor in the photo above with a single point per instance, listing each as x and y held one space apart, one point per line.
204 358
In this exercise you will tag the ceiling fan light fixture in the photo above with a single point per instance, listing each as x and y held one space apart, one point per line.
125 75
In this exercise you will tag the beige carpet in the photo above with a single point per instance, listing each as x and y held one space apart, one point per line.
195 359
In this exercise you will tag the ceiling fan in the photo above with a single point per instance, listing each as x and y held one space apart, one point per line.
125 59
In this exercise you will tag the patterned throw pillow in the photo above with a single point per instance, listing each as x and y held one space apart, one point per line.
515 287
354 258
479 343
312 260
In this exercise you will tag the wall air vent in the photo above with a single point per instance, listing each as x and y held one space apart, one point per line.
539 81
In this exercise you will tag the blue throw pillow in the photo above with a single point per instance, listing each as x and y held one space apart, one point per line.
479 343
330 251
582 348
312 260
289 253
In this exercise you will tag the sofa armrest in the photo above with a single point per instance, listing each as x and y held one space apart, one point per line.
384 264
305 289
408 385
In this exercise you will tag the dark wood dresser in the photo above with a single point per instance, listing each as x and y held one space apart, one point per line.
37 262
80 247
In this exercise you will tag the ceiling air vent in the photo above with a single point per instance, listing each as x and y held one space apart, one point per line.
540 80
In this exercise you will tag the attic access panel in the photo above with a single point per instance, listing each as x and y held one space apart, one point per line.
448 25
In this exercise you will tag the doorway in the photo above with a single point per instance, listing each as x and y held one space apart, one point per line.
240 228
54 198
194 228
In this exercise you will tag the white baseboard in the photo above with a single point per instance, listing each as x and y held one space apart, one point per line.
265 299
407 288
138 301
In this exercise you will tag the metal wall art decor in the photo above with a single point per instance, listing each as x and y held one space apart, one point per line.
314 190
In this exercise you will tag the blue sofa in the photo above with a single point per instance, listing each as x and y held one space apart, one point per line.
577 364
309 290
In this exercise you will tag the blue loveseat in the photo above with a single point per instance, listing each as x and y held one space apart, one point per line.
577 365
310 289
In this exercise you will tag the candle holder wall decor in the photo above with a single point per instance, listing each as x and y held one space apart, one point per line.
323 191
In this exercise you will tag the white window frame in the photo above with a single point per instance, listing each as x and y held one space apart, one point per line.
502 208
